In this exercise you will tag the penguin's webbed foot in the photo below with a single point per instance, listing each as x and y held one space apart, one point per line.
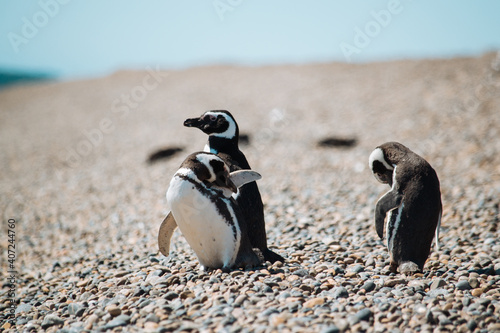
249 259
271 256
224 269
393 267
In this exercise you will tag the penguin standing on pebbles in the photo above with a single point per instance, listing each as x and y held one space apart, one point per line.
200 203
223 136
411 209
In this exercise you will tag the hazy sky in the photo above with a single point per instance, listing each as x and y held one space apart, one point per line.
81 38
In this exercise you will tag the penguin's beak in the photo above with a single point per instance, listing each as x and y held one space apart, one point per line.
194 122
231 186
385 177
226 182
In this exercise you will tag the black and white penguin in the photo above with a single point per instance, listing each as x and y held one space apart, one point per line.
223 136
411 209
201 205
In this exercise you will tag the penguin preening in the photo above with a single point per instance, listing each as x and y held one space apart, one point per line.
411 209
223 136
201 205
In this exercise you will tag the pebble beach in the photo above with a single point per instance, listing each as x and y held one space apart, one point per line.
87 205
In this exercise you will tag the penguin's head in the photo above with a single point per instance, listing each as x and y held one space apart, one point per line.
381 168
384 159
211 170
218 123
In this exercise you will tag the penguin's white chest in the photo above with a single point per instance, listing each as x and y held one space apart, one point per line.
200 217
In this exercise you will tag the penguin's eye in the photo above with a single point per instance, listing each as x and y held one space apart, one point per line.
209 118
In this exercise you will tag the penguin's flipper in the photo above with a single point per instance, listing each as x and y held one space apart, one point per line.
242 177
386 203
165 233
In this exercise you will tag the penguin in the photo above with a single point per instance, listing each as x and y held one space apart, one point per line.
200 201
223 137
411 209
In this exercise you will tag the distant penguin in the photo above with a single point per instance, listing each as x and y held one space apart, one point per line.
223 136
200 203
411 209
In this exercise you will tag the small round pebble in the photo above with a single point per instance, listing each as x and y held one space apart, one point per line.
463 285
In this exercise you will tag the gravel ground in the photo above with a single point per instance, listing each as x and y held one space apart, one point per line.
88 207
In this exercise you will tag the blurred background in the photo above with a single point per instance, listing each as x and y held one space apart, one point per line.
64 39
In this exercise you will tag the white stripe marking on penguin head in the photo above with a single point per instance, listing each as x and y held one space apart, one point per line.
205 160
230 132
378 155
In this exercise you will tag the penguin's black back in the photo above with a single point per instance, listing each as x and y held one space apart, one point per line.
228 149
245 256
248 198
417 181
